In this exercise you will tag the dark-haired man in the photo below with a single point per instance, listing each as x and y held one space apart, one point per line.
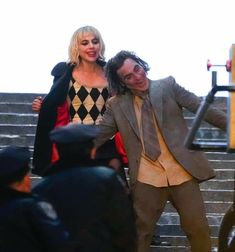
160 167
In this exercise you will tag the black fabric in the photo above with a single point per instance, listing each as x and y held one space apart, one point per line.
74 133
47 116
14 163
93 204
26 227
107 150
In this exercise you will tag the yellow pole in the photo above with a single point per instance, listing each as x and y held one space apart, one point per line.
231 103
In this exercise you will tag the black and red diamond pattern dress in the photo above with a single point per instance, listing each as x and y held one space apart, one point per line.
87 105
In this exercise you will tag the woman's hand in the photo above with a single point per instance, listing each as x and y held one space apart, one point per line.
36 104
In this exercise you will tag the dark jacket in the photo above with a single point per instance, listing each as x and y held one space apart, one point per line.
47 118
93 204
28 224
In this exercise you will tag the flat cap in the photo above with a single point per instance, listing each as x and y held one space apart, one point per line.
14 163
74 133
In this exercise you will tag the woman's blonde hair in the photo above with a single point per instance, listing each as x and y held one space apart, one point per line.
78 34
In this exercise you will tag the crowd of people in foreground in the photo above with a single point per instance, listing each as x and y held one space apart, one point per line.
91 125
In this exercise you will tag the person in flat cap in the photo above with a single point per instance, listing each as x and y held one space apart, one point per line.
72 138
27 223
91 200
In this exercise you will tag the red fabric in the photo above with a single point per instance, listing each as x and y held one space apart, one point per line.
61 120
120 148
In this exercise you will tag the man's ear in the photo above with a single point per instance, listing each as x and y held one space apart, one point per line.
23 185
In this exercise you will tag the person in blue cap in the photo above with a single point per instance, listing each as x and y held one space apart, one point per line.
91 200
27 223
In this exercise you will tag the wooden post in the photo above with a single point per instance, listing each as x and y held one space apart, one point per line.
231 103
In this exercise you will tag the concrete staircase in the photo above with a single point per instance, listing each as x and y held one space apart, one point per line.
18 121
18 125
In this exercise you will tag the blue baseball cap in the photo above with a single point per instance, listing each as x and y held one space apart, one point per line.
14 163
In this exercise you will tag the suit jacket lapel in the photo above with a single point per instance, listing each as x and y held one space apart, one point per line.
155 94
127 108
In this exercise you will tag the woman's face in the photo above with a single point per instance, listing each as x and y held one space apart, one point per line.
89 47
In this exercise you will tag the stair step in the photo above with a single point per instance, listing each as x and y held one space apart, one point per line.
16 107
212 156
218 184
218 195
169 249
223 174
19 140
19 97
15 129
16 118
173 218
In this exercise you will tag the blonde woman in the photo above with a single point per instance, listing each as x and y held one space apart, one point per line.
78 95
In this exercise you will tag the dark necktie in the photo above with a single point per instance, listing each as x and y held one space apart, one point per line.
150 139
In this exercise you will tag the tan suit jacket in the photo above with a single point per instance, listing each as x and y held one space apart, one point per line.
168 99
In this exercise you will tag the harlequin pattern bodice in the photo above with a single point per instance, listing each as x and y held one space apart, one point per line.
87 105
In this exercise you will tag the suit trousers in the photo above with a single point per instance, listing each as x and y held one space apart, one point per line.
149 203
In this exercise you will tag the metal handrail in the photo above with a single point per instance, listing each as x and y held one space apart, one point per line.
189 140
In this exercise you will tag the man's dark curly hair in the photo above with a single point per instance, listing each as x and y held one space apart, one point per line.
116 86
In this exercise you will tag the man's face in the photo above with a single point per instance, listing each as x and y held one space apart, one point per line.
133 75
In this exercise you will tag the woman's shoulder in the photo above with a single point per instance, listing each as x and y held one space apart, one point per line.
59 68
